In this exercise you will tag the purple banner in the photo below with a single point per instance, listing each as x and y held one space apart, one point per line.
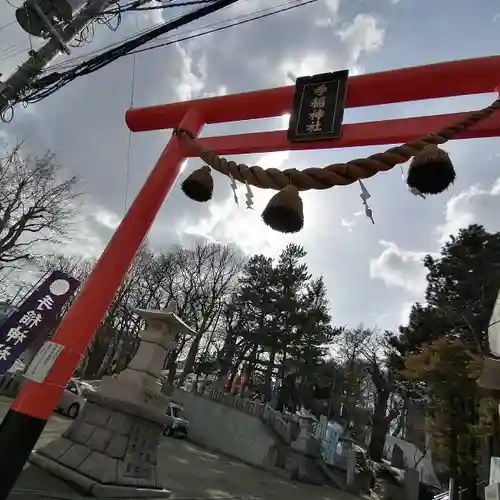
35 317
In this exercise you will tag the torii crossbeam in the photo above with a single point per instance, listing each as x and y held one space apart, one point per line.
450 79
28 414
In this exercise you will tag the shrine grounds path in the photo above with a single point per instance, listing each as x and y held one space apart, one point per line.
190 472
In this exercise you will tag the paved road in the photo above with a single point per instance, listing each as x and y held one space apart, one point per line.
55 427
193 473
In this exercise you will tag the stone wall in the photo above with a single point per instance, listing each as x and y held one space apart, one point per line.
226 429
286 427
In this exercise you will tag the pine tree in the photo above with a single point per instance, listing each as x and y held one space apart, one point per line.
463 284
462 287
278 317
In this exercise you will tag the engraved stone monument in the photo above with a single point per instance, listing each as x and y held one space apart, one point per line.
110 451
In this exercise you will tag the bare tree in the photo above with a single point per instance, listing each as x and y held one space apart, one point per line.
351 351
36 204
117 335
199 279
77 266
363 353
210 272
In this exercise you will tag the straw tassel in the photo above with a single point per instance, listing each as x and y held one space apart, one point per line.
431 171
284 212
199 185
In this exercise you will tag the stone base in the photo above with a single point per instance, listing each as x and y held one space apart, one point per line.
93 488
110 450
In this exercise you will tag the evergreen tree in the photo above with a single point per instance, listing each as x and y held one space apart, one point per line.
278 318
463 284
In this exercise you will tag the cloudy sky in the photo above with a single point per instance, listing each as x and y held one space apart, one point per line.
373 272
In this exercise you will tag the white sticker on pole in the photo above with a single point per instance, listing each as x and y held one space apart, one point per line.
43 361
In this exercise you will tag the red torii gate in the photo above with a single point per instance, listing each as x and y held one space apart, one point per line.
450 79
28 414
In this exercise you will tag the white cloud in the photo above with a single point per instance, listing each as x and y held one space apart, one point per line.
192 78
107 219
311 64
227 222
476 204
405 312
364 34
349 224
333 5
399 268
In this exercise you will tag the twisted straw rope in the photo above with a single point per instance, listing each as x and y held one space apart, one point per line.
336 174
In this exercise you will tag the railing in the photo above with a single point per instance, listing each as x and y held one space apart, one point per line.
255 408
445 495
275 420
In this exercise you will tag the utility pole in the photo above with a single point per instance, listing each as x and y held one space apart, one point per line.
33 67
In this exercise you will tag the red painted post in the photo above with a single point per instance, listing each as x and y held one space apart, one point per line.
28 414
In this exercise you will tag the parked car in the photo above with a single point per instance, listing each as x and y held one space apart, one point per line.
177 425
72 399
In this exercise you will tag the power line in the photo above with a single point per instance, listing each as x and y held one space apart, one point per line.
3 26
237 23
137 6
55 81
276 9
18 86
49 84
11 4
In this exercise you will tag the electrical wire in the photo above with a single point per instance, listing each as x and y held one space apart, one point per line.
108 16
137 5
276 9
85 36
6 50
238 23
49 84
11 4
3 26
13 54
129 141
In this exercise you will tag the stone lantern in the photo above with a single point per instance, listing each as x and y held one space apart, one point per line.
111 449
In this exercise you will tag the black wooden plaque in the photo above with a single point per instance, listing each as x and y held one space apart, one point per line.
318 107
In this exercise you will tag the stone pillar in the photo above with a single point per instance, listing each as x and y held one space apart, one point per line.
411 484
306 443
110 451
351 467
